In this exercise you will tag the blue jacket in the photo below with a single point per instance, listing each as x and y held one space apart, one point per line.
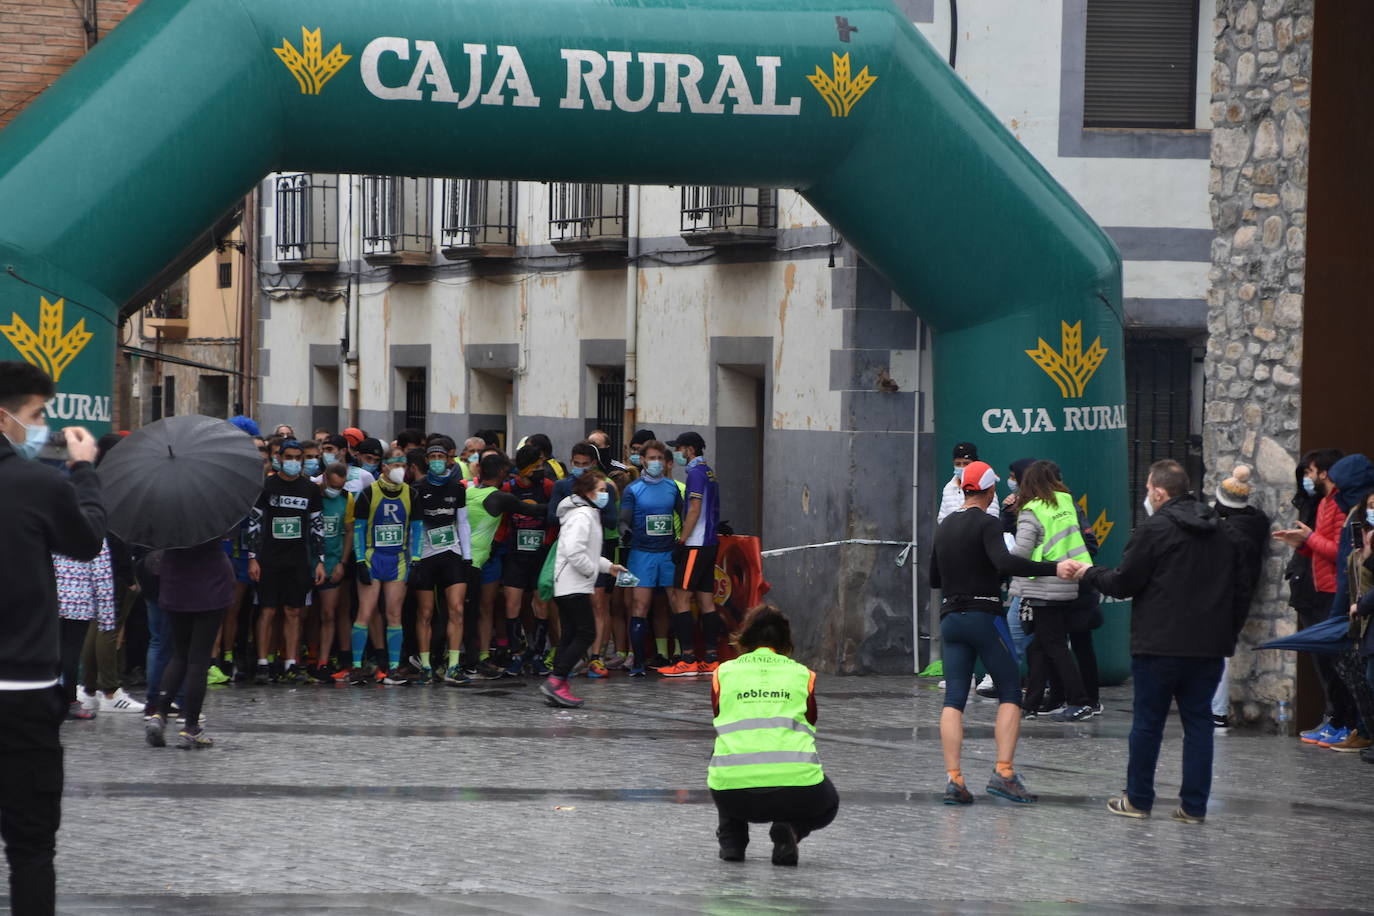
1354 475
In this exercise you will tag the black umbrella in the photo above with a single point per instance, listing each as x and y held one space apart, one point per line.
180 482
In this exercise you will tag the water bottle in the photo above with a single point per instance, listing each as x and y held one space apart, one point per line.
1281 718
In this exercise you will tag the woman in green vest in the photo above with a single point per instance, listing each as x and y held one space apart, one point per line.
1047 530
765 769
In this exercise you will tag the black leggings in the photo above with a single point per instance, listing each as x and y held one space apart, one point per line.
970 636
73 638
194 634
577 624
806 808
1050 652
1086 654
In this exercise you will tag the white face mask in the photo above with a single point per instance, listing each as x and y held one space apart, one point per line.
396 475
1149 506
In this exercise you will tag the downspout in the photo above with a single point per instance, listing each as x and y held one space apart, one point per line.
632 316
248 288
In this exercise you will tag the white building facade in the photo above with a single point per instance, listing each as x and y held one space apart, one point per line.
456 305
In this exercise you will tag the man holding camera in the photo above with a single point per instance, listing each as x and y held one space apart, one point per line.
44 514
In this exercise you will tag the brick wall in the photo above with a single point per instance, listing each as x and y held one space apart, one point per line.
40 39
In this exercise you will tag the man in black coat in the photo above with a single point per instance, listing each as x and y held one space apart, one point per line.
44 514
1181 570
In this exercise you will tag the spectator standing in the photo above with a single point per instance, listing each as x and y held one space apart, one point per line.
1248 529
952 497
1181 570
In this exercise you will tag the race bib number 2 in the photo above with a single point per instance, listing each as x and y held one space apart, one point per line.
528 539
286 529
442 538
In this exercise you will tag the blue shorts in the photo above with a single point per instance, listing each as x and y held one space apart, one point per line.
654 569
387 566
491 570
241 569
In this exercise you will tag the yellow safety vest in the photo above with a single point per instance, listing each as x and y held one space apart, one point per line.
1063 540
762 736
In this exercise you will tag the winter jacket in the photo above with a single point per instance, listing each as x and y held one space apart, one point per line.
44 514
1361 576
1302 591
1354 476
952 500
1321 546
1248 530
1181 570
1029 534
579 560
85 590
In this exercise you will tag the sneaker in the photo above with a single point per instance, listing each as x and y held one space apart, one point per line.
262 674
425 677
1029 714
638 671
1355 742
89 700
322 674
1317 734
392 678
1183 817
359 677
415 662
1122 805
615 660
154 731
181 720
681 668
76 710
1073 714
709 666
517 664
193 740
121 702
1221 725
956 794
1097 709
1336 737
986 688
457 677
784 838
486 671
597 668
540 667
1049 709
658 661
215 675
1011 789
555 690
342 676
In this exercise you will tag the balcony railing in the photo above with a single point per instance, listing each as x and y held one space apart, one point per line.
168 315
716 215
398 223
307 208
478 219
588 217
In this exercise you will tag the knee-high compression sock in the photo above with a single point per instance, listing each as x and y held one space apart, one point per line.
639 640
710 631
685 631
513 633
358 638
394 637
539 642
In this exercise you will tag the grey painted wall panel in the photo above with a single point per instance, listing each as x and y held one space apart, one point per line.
878 411
1190 314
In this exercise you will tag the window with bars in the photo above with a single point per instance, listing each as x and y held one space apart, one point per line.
718 215
1159 400
478 219
307 222
417 399
588 217
1140 65
397 220
610 408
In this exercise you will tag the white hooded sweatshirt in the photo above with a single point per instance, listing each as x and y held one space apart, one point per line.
579 558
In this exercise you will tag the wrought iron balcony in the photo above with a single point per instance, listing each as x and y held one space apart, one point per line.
398 222
307 209
716 215
478 219
588 218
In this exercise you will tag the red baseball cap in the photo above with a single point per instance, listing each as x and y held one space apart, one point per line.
354 436
977 477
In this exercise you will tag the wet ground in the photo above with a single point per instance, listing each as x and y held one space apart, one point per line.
441 800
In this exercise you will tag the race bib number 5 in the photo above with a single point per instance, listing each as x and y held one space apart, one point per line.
529 539
390 535
286 529
658 525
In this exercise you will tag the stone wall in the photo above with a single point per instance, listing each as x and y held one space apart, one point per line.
1261 92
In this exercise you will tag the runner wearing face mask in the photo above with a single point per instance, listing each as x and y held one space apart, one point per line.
312 464
369 455
651 511
528 541
635 450
441 547
381 539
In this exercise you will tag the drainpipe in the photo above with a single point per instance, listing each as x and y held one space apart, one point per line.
248 288
632 316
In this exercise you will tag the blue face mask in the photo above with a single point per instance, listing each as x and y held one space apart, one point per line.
438 467
680 458
637 460
373 467
602 499
1011 484
1309 487
312 466
655 468
576 471
291 467
1369 518
276 464
332 493
474 457
35 437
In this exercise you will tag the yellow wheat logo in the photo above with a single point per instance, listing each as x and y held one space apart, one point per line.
840 91
1101 527
310 67
1070 367
49 349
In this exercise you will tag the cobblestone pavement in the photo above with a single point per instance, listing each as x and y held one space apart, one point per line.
483 800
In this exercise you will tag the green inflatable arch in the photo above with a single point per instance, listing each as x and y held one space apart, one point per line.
146 141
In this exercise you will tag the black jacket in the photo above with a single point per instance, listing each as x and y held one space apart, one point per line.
1182 571
1248 530
44 514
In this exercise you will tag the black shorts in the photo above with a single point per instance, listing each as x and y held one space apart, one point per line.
694 568
610 550
521 568
285 587
440 571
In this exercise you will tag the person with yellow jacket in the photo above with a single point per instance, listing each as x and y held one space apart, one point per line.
765 768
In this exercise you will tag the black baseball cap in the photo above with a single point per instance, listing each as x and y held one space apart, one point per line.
368 446
642 436
690 439
966 450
